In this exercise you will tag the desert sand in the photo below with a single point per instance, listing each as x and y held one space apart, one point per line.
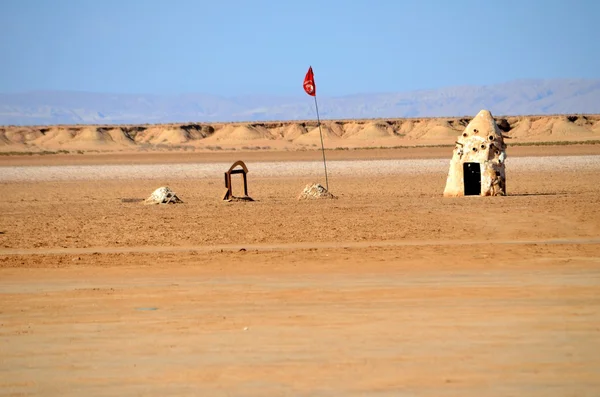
287 135
390 290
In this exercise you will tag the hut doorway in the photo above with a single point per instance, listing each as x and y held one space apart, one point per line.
472 179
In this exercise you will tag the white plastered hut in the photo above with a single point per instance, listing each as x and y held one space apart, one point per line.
477 165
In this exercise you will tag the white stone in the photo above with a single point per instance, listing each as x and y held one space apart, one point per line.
314 191
163 195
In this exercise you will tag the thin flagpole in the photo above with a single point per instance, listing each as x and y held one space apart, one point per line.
322 147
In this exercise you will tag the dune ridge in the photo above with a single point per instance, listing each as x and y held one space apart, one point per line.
288 135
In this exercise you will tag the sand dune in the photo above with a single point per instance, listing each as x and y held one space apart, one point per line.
562 127
371 130
82 138
553 128
55 137
119 136
290 135
434 129
163 135
234 133
20 135
293 131
330 132
4 140
91 137
171 134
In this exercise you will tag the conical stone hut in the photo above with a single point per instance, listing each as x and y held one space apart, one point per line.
477 167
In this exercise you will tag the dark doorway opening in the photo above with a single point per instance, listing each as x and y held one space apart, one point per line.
472 179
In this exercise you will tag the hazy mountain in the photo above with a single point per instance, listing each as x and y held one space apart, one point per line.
521 97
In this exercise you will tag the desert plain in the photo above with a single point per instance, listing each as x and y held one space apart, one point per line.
388 290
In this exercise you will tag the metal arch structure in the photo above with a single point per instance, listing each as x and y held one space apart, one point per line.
235 170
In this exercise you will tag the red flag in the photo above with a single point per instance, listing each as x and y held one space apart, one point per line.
309 83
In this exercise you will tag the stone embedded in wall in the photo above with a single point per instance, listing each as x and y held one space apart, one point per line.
481 151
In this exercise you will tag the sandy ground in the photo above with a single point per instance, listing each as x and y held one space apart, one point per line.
390 290
185 157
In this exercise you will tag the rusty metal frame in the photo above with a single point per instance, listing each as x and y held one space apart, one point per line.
243 170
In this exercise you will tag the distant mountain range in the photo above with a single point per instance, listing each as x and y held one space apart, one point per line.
521 97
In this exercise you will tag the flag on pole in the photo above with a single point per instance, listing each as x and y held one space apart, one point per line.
311 89
309 83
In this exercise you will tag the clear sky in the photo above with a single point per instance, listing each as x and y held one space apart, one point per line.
236 47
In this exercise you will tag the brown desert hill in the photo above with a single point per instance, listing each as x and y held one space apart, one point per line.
4 140
235 133
369 131
520 128
173 134
90 137
293 131
290 134
331 131
118 135
562 127
18 135
434 129
55 137
163 135
83 138
336 127
352 128
553 127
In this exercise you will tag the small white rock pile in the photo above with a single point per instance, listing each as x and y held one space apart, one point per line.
163 195
315 191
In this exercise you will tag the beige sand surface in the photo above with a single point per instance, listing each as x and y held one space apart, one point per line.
390 290
183 157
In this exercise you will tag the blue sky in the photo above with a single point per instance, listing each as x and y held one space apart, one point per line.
235 47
